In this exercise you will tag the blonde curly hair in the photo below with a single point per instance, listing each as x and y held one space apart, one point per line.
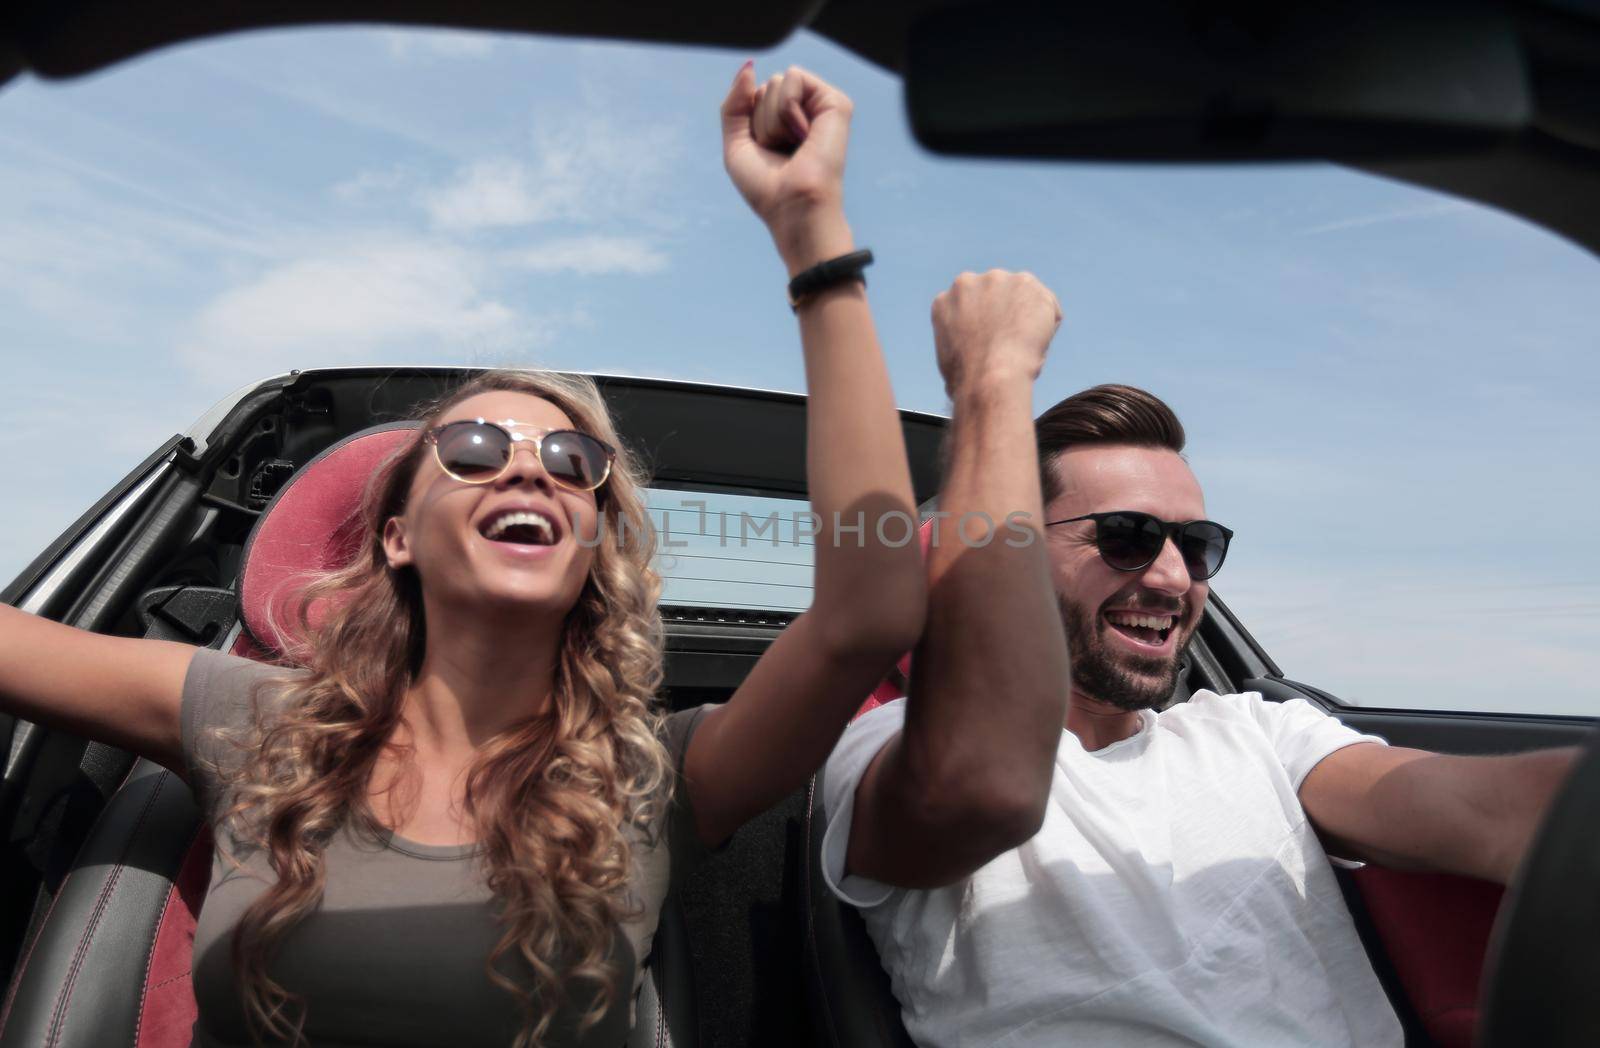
550 798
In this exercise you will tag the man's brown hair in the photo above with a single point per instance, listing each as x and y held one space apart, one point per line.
1108 414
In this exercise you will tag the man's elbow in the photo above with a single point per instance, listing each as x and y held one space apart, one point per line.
1016 817
957 845
936 829
990 817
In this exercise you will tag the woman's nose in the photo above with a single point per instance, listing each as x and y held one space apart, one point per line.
525 468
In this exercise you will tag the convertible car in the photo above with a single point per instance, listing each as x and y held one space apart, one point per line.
98 878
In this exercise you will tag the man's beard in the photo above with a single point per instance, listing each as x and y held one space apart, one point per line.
1128 682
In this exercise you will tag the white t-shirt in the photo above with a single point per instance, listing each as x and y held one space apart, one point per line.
1175 894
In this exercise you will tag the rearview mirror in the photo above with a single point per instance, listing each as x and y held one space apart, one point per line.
1176 80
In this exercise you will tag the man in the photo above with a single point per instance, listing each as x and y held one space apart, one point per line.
1142 877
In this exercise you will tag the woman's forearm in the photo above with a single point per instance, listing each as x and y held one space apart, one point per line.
868 575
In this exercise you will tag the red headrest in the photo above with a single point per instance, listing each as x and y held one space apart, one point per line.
311 526
891 688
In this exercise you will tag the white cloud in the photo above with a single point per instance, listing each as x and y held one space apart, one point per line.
493 193
590 256
386 300
583 169
53 183
413 45
86 261
420 297
367 111
615 171
1431 209
373 184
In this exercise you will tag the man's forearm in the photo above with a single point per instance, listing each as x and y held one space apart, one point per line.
1417 810
1515 792
969 774
1474 816
990 680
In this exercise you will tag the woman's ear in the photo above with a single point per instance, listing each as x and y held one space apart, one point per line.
396 548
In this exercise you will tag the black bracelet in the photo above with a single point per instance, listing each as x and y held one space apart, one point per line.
827 274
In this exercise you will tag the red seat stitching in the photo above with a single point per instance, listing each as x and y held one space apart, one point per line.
22 966
58 1020
149 963
172 979
150 958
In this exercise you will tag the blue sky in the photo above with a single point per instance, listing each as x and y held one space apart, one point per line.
1390 394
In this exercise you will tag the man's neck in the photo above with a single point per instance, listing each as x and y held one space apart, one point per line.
1099 724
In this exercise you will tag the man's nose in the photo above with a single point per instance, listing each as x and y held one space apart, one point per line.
1168 572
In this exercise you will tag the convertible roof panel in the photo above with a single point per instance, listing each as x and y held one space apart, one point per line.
690 435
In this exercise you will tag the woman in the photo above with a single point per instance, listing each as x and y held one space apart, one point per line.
452 824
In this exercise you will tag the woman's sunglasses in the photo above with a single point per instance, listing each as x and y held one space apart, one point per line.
1131 541
477 451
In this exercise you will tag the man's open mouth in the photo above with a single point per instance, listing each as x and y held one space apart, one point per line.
1144 627
519 527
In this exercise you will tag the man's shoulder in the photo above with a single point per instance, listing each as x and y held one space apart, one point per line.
1205 704
1245 709
1289 726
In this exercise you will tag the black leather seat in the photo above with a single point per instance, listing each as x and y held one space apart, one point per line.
83 981
851 1001
666 1015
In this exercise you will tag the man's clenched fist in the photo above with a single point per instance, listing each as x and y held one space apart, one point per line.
996 325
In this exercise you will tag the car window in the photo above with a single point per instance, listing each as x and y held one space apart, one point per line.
741 552
1389 393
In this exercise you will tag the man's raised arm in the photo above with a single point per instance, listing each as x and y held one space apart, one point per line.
969 774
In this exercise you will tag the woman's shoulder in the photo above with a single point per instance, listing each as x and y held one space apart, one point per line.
679 726
221 689
224 698
214 669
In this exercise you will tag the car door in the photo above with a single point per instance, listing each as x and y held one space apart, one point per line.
1427 934
55 784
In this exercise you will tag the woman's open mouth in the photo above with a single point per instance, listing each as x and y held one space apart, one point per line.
519 527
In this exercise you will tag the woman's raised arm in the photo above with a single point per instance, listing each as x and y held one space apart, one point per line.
116 690
784 147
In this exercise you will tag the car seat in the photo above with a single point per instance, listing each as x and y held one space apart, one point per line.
852 1004
1428 935
110 963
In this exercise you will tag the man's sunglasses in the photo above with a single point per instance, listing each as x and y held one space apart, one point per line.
1131 541
477 451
